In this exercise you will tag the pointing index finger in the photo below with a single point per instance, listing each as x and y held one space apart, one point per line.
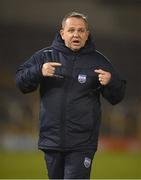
99 71
54 64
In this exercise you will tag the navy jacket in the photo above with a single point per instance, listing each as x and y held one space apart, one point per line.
70 109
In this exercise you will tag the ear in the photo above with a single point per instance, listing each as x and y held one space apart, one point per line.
62 33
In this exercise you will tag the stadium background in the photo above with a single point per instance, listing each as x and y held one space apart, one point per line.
27 26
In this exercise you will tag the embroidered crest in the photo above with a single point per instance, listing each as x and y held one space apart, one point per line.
82 78
87 162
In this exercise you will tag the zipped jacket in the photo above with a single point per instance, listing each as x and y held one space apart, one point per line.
70 109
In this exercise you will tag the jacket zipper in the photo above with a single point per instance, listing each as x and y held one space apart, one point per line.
64 106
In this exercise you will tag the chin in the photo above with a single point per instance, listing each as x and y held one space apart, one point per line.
76 49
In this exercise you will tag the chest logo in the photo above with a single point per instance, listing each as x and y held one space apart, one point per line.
82 78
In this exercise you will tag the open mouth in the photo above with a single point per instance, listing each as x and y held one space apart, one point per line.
76 42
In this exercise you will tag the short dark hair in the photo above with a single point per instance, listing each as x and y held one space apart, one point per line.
76 15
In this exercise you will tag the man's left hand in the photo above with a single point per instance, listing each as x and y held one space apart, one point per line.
103 76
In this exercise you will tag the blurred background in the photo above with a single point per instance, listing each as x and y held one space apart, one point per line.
26 27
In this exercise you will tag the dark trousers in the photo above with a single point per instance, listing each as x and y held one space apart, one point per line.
69 165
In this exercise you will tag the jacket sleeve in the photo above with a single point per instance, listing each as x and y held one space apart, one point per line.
29 74
115 90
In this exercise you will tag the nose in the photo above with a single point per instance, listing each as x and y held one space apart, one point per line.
75 33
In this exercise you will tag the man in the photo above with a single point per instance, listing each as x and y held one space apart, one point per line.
71 75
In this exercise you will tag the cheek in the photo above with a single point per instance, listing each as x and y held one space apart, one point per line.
85 39
66 38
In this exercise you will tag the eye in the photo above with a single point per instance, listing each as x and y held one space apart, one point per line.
71 30
81 30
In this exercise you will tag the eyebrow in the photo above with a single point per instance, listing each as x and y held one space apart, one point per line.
73 27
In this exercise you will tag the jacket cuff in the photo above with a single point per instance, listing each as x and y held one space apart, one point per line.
115 82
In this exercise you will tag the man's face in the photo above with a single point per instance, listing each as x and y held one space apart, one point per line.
74 33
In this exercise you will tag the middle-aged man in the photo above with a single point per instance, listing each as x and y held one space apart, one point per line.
72 75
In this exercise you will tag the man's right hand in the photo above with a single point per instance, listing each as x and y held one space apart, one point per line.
48 69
